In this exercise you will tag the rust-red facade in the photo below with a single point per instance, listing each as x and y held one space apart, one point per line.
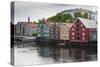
79 32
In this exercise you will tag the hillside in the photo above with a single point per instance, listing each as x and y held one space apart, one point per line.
60 17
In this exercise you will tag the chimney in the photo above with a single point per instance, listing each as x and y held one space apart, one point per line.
28 19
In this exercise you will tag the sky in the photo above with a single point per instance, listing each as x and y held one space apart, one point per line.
36 10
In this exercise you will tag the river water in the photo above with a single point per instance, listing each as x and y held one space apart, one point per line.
30 54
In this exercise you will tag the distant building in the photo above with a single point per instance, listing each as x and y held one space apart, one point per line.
20 27
64 30
26 28
91 15
55 31
30 29
43 30
60 30
83 30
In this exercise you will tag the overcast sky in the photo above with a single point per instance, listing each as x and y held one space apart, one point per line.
37 10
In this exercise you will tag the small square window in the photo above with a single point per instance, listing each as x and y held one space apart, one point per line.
73 37
73 29
83 29
77 25
81 25
78 38
83 33
74 25
73 33
77 29
83 38
78 21
77 33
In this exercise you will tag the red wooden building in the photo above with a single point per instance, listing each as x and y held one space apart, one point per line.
82 30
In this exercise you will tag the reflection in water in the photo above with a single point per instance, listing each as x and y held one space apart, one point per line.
45 54
67 54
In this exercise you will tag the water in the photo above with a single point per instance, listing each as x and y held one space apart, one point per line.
29 54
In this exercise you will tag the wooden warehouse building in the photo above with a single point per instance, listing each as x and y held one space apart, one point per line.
83 30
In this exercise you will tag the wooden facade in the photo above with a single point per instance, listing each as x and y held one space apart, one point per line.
82 29
54 31
43 30
63 31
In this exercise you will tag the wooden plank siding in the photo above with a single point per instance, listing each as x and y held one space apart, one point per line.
79 32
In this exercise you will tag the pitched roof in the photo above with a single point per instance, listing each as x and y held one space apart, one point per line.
69 25
88 23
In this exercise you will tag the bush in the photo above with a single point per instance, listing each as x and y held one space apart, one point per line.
34 34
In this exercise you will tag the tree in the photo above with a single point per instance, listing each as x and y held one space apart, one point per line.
69 17
61 17
34 34
41 20
77 14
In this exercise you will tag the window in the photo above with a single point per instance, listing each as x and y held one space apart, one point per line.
83 38
78 38
77 21
73 37
77 29
45 28
73 33
77 33
93 29
51 29
93 18
56 37
46 31
64 27
81 25
83 33
73 29
52 32
65 31
74 25
83 29
64 36
77 25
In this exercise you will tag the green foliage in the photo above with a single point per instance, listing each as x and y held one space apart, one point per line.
61 17
34 34
79 14
85 15
69 18
40 21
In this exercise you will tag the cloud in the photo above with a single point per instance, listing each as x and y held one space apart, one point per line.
38 10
